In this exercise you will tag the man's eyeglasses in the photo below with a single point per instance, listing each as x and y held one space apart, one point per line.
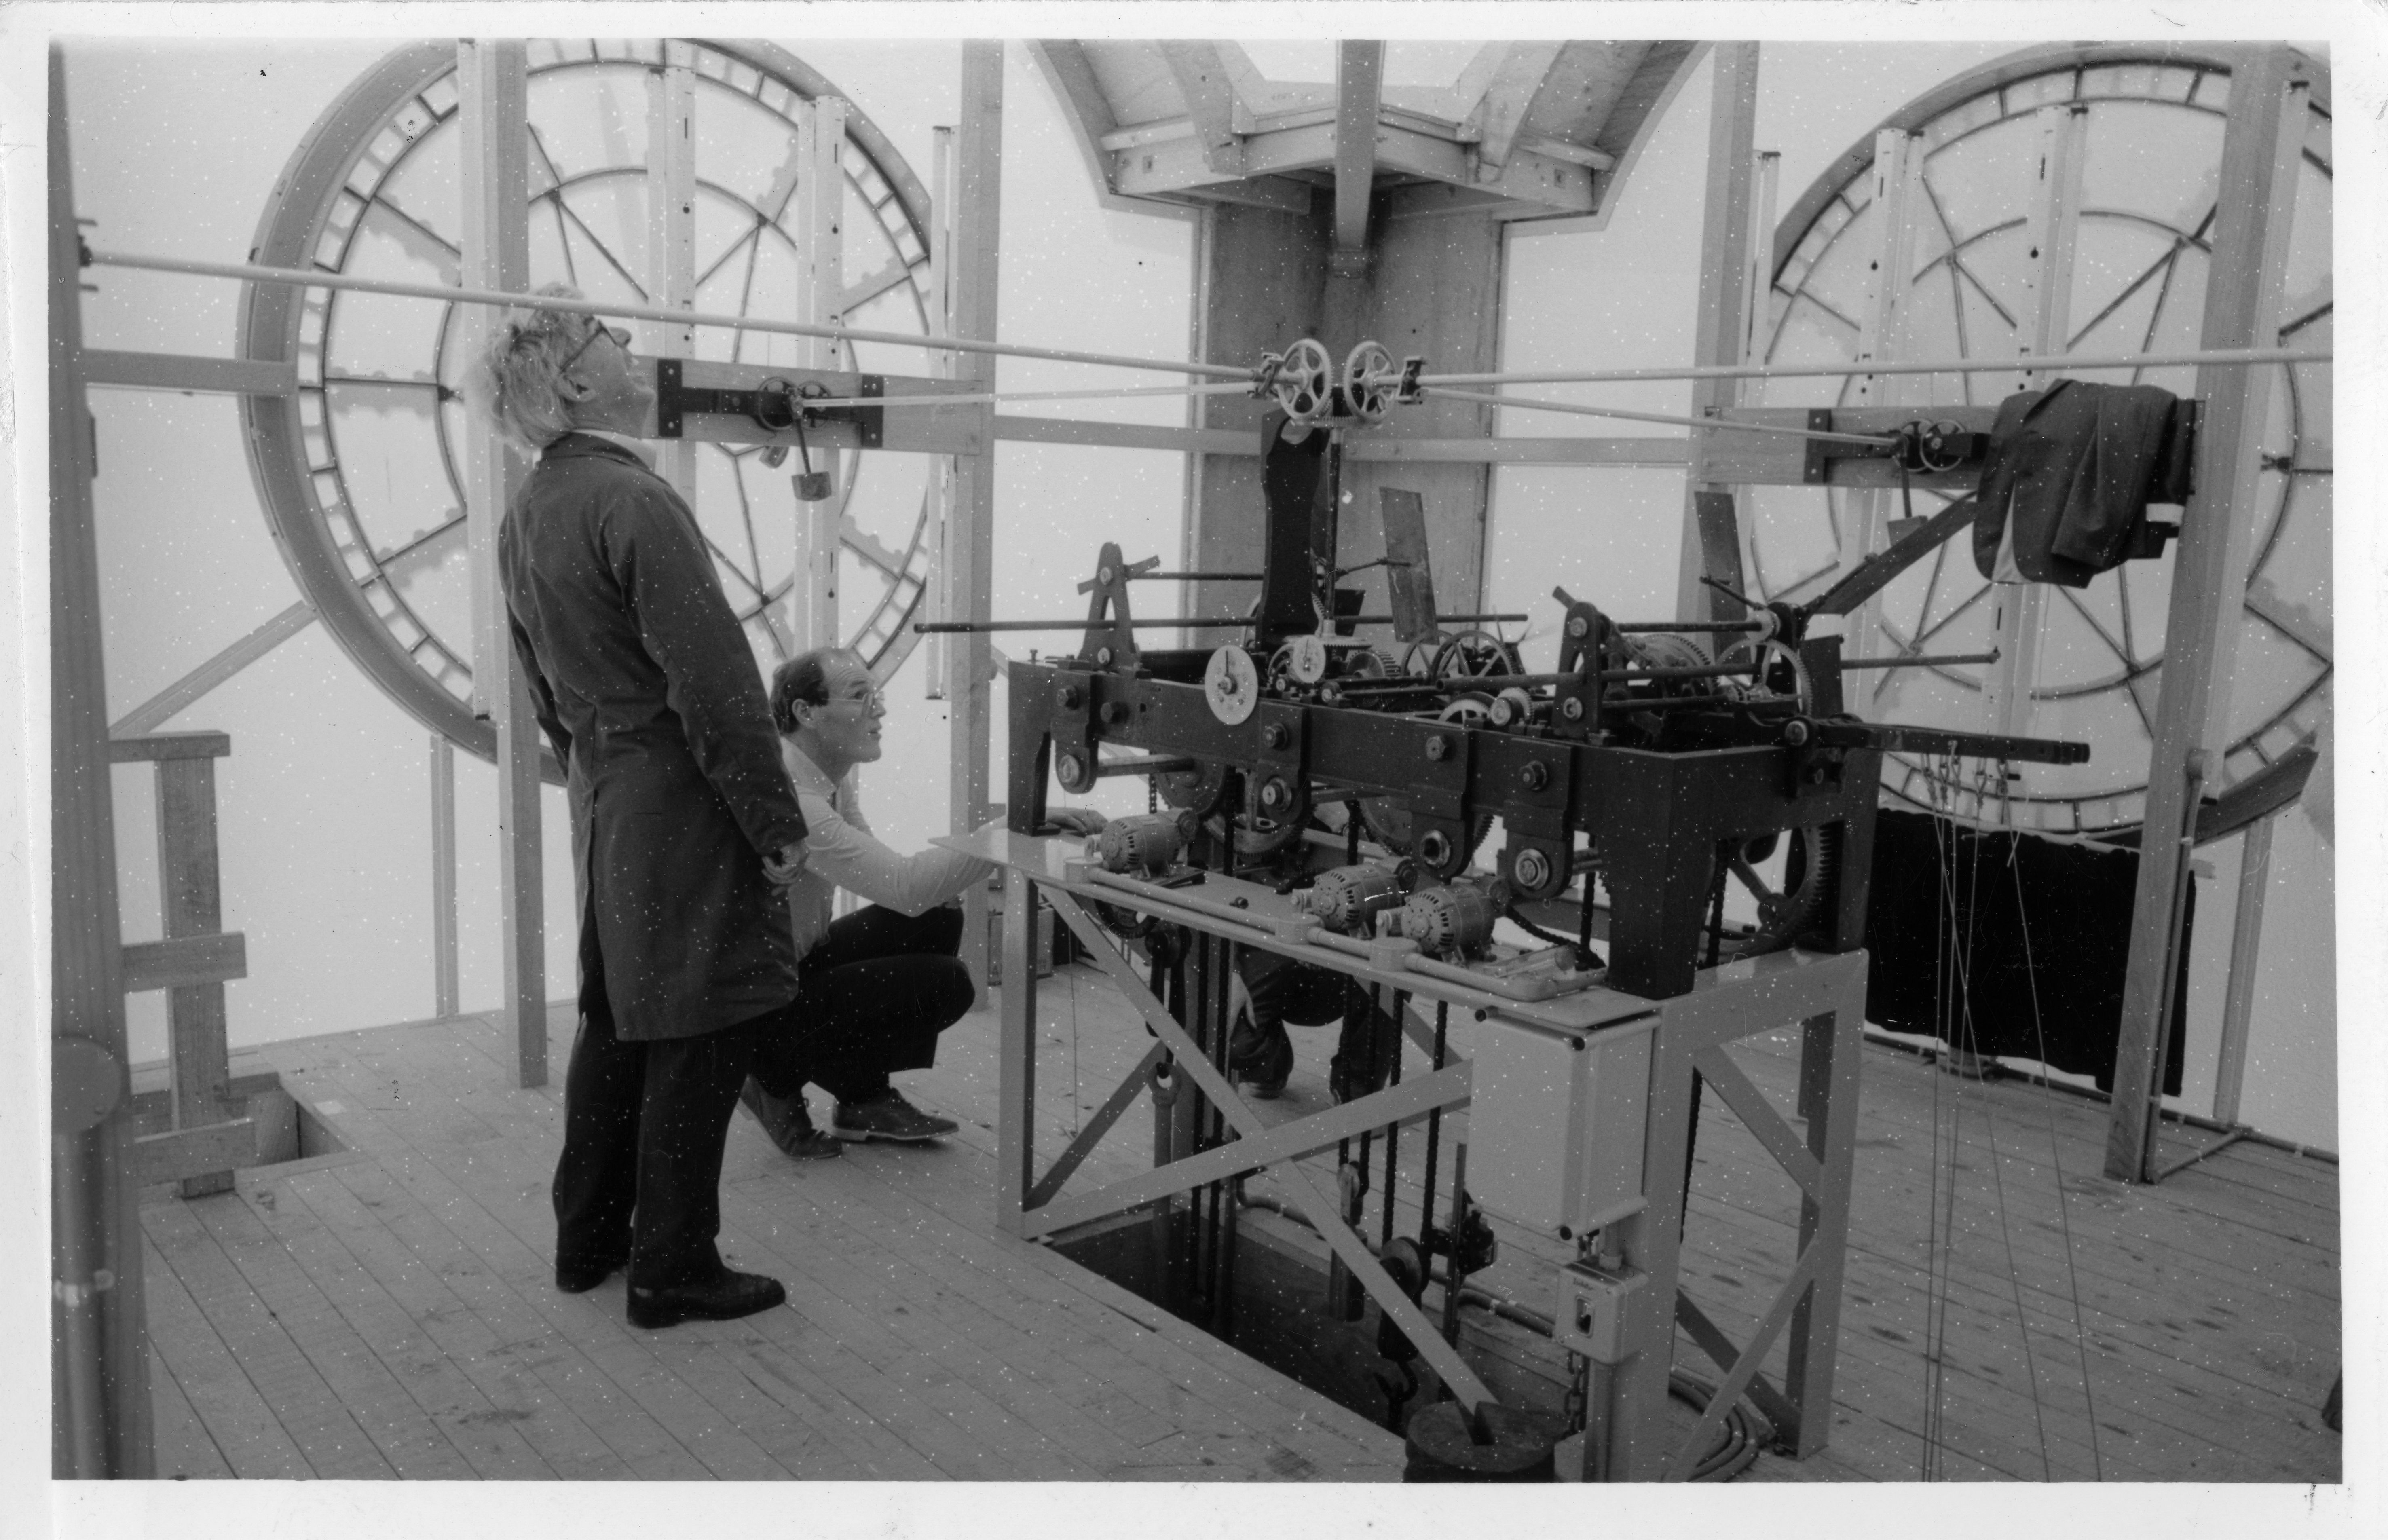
869 697
621 336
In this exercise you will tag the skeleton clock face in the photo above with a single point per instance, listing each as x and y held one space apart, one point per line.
359 471
2152 149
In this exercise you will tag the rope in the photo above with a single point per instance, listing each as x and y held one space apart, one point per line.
310 278
1998 1195
2056 1156
1937 366
1574 410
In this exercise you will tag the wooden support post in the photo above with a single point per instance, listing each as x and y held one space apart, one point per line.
444 987
1897 195
2262 140
2053 229
2246 950
671 233
1727 298
977 242
1359 87
937 666
820 211
99 1348
492 83
190 894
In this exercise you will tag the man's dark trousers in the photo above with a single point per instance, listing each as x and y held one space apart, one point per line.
644 1126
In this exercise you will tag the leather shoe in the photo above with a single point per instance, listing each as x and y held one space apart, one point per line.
723 1297
888 1116
789 1123
579 1278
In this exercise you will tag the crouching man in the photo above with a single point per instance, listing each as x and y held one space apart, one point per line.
880 984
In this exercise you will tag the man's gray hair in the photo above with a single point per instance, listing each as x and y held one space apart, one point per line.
517 380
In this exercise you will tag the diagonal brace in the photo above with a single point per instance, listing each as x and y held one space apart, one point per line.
1758 1117
1744 1367
1318 1205
1407 1102
1122 1096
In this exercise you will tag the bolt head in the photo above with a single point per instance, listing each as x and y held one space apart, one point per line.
1577 627
1071 768
1275 793
1572 709
1104 576
1073 697
1103 657
1438 748
1538 775
1274 736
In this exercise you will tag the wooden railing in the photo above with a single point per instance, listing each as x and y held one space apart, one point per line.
210 1135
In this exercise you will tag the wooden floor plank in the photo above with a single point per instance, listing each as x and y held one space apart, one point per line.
492 1404
329 1437
415 1447
183 1448
217 1389
482 1431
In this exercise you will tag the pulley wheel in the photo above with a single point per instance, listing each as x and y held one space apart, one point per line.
1367 375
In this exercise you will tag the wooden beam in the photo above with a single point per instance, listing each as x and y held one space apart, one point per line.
1722 328
670 274
938 499
492 81
191 900
819 235
2246 953
154 746
186 692
99 1357
1092 123
976 244
1359 89
1897 199
445 997
208 1154
179 962
216 376
1208 88
2263 139
2051 228
1500 114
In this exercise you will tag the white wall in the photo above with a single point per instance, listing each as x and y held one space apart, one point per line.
325 796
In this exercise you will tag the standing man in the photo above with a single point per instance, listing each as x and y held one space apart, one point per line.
685 833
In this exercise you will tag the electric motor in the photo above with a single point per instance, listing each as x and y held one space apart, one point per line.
1457 918
1346 898
1147 843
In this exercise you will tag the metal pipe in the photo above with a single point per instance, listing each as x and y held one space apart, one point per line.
1196 577
1711 670
310 278
1919 661
1162 765
1433 1136
942 628
1393 1130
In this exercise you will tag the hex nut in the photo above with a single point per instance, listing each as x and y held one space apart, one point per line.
1438 748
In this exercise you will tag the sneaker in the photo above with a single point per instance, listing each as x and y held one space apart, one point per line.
789 1124
888 1116
724 1297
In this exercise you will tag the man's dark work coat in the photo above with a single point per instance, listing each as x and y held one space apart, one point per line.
645 683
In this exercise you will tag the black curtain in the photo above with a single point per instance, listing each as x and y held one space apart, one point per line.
1965 925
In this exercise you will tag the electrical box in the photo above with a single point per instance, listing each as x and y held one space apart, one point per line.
1555 1124
1592 1310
